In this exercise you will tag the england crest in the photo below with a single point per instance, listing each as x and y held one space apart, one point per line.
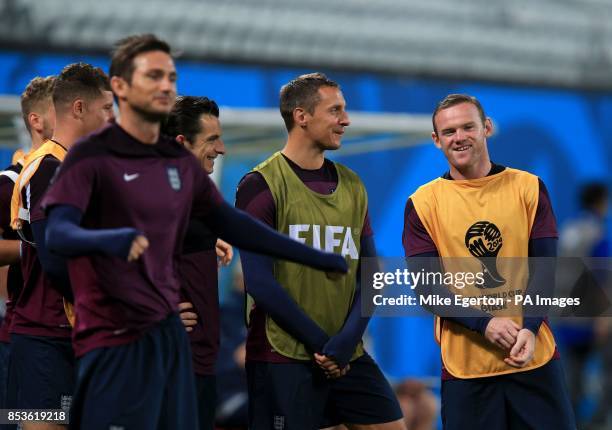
66 402
174 178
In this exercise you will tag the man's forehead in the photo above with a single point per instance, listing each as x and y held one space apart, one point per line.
154 60
209 119
210 124
460 112
107 95
331 95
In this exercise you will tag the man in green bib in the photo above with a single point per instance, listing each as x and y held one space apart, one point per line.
306 365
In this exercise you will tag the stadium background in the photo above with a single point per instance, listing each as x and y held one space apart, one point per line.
541 69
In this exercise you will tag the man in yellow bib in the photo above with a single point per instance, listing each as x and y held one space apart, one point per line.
500 370
39 119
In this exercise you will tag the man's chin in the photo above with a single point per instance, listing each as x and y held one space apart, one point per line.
333 146
462 162
151 115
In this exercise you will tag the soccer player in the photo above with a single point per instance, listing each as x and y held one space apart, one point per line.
498 372
306 364
120 207
194 122
39 118
42 358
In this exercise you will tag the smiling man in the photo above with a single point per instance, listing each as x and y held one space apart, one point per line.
306 364
194 122
498 372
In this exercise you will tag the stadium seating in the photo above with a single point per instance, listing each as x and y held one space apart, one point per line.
564 43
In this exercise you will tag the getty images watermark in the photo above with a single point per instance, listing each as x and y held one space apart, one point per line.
499 286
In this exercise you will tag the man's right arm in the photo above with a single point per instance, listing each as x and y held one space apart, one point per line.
254 197
66 201
65 236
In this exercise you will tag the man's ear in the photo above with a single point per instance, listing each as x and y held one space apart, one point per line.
78 108
300 117
181 139
436 140
119 86
488 126
35 121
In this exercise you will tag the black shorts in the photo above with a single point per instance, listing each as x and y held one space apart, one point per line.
295 396
43 370
535 399
145 384
7 387
5 349
206 392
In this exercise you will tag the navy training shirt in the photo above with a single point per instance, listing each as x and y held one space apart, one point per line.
117 181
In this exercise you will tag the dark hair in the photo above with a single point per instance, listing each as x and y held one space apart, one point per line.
37 93
125 50
593 194
185 116
303 92
79 80
454 100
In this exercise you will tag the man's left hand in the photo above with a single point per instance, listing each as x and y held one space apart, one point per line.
522 351
188 316
225 252
330 367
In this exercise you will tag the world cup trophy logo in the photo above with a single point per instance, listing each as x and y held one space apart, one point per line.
484 240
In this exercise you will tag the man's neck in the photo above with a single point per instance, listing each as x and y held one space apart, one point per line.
66 135
304 153
37 141
472 172
145 132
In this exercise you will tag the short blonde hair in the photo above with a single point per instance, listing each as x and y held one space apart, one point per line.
37 95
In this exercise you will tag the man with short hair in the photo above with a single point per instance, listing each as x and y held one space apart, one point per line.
37 109
306 364
42 358
506 364
194 122
39 118
119 208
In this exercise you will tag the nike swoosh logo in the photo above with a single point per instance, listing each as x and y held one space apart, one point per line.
128 178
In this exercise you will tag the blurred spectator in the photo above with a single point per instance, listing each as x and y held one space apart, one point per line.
232 397
586 237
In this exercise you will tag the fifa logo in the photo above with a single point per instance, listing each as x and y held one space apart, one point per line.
66 402
331 238
484 241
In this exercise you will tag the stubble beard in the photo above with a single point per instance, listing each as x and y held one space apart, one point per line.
150 116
